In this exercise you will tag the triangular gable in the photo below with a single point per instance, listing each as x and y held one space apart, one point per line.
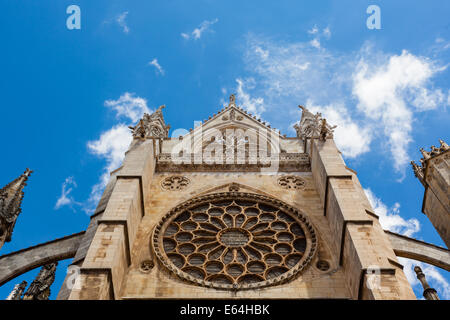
233 116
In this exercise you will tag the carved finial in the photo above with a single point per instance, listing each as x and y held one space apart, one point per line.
428 292
17 292
444 146
40 287
426 155
151 126
434 151
418 172
11 197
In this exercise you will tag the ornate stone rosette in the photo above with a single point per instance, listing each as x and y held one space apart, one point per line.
235 241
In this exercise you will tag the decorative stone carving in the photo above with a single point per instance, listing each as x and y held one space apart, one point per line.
234 241
175 183
151 126
291 182
232 115
232 100
287 162
146 266
11 197
17 292
39 289
323 265
419 169
313 126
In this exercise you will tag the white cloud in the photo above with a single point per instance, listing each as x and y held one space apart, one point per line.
264 54
121 20
66 199
315 43
352 139
197 33
390 218
389 92
114 142
111 146
155 64
313 30
371 95
128 106
252 105
326 33
433 276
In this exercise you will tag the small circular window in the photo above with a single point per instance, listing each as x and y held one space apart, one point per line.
235 241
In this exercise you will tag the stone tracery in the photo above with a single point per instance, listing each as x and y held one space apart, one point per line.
175 183
234 241
291 182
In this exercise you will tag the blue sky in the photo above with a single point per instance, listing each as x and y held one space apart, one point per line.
68 95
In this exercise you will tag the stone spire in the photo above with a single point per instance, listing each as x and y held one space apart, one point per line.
11 197
40 287
16 293
151 126
428 292
313 126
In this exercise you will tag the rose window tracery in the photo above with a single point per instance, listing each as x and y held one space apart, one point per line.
234 240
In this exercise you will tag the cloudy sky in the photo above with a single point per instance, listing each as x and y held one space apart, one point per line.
70 95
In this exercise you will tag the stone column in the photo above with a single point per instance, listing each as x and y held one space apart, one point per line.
365 254
108 257
428 292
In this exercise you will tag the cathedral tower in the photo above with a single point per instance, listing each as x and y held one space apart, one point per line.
434 174
233 209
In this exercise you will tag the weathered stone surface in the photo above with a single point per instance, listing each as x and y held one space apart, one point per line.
11 197
418 250
434 174
19 262
122 263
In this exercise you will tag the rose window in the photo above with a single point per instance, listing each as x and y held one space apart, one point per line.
234 240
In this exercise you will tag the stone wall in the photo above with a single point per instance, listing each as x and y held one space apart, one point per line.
436 203
159 283
349 236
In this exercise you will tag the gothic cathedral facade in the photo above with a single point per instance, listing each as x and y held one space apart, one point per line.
232 209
